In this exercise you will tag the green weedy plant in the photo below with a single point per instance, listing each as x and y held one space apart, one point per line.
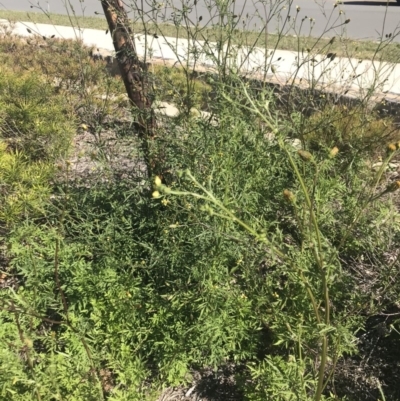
250 265
47 355
121 290
312 313
174 84
25 187
355 130
33 117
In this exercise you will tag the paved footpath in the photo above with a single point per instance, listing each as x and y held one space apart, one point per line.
338 75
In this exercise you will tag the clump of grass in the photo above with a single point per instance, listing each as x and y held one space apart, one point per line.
351 129
33 118
64 63
178 86
25 188
92 22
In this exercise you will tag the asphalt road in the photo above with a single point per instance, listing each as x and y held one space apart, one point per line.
368 19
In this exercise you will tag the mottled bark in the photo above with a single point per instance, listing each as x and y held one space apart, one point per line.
133 71
135 76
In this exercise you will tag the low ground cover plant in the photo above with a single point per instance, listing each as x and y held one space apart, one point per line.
271 258
33 118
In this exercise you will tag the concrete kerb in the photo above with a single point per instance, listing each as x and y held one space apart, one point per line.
348 80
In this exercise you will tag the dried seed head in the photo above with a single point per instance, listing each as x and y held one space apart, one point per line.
305 155
394 186
334 151
288 195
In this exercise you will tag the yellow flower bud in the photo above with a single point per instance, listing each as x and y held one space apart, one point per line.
157 181
391 147
304 154
334 151
155 194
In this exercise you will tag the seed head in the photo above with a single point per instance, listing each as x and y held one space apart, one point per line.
391 147
305 155
288 195
394 186
334 151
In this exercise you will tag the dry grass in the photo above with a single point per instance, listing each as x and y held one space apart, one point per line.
54 19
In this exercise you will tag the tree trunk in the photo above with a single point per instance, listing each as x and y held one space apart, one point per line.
133 70
135 76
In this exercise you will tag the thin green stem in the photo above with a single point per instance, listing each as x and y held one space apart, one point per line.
229 214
